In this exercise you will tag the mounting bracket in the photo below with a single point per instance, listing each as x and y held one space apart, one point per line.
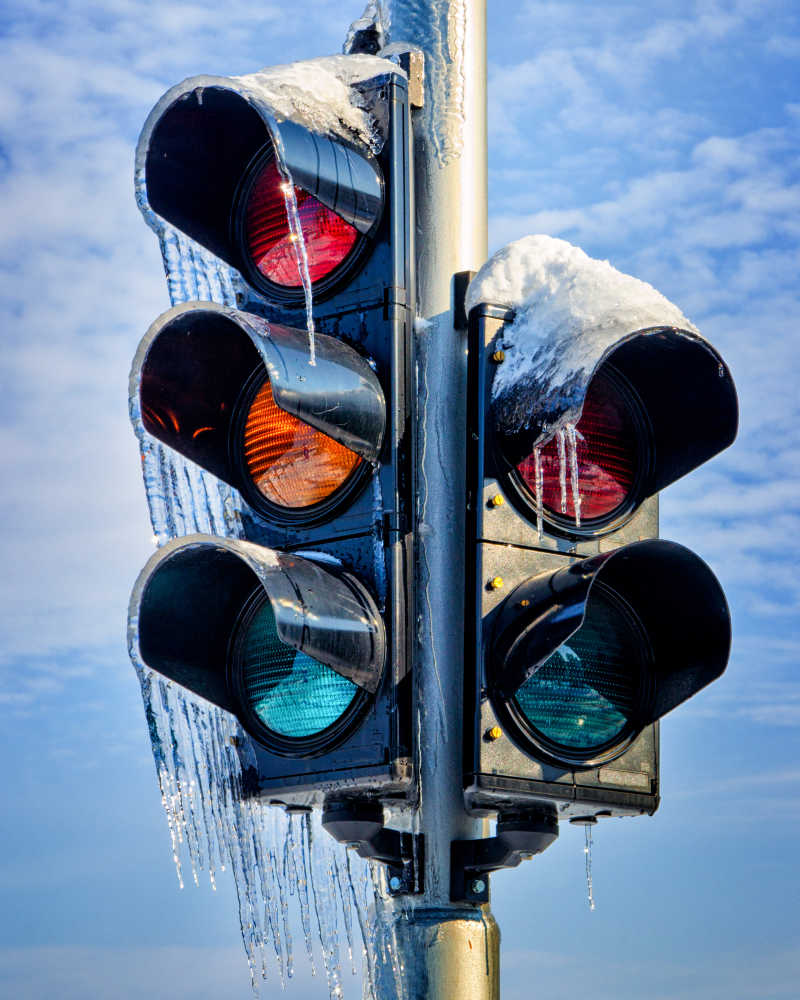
359 824
520 835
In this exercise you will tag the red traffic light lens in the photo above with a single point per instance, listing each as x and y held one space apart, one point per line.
291 464
607 445
269 241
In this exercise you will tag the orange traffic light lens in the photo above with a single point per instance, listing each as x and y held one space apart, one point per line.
291 464
270 243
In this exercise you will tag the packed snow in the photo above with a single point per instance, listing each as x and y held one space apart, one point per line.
320 94
570 312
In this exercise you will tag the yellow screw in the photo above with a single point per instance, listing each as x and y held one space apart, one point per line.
496 582
524 603
494 733
497 501
499 357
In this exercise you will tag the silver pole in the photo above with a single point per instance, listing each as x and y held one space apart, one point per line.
445 950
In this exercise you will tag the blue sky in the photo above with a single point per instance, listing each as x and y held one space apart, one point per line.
664 138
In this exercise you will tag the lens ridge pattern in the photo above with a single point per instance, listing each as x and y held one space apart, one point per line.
585 695
290 693
292 464
270 242
606 445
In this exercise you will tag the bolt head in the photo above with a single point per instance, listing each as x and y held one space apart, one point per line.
496 583
394 883
478 886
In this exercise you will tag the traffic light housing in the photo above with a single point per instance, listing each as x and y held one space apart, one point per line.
301 401
583 628
312 220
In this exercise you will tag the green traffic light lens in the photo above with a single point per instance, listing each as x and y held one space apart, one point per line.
586 696
288 692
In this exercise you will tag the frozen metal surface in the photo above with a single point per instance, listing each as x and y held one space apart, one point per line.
447 954
451 184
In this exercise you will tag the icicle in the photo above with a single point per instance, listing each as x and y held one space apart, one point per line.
298 880
297 238
572 443
280 836
587 850
211 820
539 488
562 468
344 902
324 898
196 747
270 909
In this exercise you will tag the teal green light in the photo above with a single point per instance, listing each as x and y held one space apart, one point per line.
584 695
291 693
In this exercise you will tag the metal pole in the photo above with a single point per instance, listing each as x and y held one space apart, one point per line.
444 950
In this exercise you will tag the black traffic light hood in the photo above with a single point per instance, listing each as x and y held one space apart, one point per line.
686 390
188 598
198 142
671 591
194 361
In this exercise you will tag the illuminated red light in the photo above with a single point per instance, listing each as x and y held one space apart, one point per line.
270 242
607 451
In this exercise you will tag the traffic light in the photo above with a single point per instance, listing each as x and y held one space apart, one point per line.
301 401
583 628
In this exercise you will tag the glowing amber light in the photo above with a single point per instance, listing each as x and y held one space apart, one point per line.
292 464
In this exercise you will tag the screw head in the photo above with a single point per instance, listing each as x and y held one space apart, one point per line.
496 501
496 583
394 883
478 886
494 733
499 357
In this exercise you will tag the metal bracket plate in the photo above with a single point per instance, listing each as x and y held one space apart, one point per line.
519 836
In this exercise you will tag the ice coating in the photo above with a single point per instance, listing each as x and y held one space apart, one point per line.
570 311
368 30
319 94
438 27
201 753
297 236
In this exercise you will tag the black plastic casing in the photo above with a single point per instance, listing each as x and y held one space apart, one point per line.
372 535
504 774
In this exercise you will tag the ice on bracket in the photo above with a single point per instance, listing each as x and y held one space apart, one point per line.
570 312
